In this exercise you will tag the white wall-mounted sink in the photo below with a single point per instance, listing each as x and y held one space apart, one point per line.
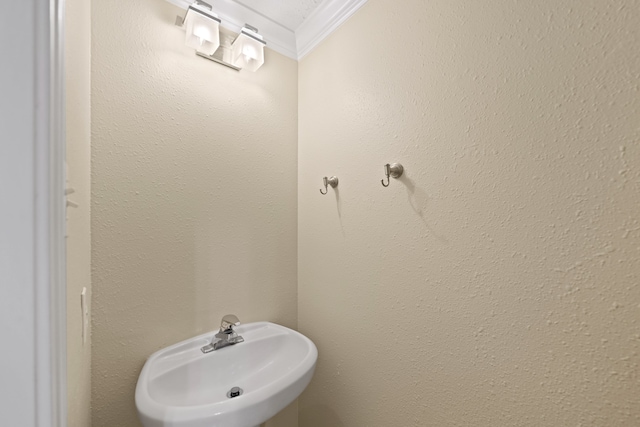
180 386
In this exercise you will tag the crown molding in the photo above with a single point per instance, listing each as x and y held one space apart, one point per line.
323 21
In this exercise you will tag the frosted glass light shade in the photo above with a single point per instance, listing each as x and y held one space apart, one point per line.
202 30
247 51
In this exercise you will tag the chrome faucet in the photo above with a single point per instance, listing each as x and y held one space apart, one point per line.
226 337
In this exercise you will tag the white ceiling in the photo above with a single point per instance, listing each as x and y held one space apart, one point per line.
288 13
291 27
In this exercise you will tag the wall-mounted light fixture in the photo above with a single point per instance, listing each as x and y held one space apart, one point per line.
246 51
202 27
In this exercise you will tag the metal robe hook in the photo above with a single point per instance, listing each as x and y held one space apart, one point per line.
333 182
394 170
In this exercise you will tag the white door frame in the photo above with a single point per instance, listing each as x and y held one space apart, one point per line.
32 215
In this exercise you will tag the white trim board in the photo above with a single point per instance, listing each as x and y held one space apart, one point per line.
323 21
32 256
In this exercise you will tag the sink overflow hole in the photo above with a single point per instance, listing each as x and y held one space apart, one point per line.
234 392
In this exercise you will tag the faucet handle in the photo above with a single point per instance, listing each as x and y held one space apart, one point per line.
228 322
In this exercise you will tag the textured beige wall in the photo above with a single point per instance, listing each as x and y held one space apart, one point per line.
194 186
496 283
78 115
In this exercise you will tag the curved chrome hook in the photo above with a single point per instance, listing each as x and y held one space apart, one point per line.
395 170
325 181
333 182
387 172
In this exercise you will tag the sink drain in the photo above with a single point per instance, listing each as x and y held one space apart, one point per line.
234 392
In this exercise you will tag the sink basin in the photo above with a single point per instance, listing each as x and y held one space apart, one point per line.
180 386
